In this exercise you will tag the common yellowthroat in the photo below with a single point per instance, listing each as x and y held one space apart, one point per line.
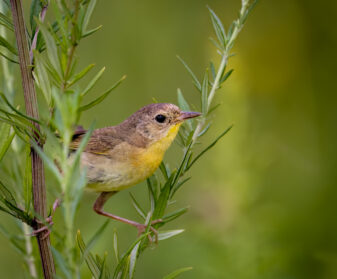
121 156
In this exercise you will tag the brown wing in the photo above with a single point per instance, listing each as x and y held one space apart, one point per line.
101 141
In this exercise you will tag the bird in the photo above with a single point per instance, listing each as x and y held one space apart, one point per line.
121 156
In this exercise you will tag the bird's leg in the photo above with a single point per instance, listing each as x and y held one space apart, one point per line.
98 208
48 220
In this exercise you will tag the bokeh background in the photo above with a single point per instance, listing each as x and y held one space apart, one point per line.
264 200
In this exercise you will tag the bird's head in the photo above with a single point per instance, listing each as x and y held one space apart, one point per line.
159 121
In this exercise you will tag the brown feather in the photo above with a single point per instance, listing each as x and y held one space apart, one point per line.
105 139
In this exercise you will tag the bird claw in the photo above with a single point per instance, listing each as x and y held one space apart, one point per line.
48 221
141 229
43 229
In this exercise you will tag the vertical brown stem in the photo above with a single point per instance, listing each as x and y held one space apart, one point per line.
39 191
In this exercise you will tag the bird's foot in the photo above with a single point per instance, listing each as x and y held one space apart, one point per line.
48 222
142 228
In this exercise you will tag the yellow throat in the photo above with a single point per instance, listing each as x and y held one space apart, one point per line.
149 159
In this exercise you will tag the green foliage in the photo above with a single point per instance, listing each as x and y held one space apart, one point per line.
96 267
6 139
161 191
6 22
54 67
9 205
102 97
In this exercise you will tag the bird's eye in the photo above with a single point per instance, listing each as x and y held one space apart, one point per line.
160 118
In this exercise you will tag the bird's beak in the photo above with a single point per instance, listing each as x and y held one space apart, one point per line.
187 115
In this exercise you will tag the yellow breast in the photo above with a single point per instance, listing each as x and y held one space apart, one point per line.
150 158
129 168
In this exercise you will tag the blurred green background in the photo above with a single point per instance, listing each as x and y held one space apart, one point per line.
264 200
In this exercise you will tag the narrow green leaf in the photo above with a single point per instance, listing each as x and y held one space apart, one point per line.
181 183
174 215
5 139
104 274
230 31
27 187
217 45
125 260
168 234
8 201
152 194
8 58
97 235
19 213
89 10
226 76
93 82
7 211
53 74
51 49
6 24
22 135
115 246
182 102
181 136
163 198
195 80
18 125
80 75
3 96
6 195
35 9
184 106
209 147
204 94
8 45
126 268
211 65
137 206
102 97
91 31
174 274
218 27
251 6
182 165
41 76
164 170
7 2
205 129
212 109
89 259
19 121
189 138
5 20
133 259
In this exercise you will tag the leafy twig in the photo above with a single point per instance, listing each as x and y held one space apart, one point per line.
39 190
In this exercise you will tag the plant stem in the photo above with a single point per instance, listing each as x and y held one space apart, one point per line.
225 55
39 191
217 79
215 86
73 46
29 251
